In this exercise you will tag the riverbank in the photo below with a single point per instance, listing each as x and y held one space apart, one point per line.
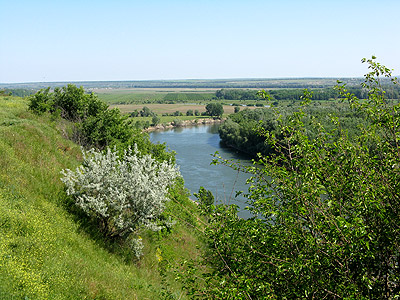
185 123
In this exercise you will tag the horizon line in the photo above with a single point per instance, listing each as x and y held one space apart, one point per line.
188 79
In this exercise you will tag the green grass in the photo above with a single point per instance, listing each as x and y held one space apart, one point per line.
126 97
49 252
155 95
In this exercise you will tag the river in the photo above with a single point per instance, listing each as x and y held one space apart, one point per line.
194 147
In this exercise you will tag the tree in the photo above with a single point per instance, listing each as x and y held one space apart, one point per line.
106 128
206 199
326 211
146 112
214 110
41 102
189 112
134 114
177 113
71 102
93 124
237 109
123 192
155 120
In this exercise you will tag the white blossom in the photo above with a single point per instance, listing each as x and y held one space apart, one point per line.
123 192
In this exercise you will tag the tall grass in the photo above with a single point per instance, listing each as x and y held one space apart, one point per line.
47 250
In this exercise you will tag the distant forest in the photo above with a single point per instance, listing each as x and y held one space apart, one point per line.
243 89
295 94
239 130
17 92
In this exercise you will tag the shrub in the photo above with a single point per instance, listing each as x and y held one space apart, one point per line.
146 112
177 122
120 192
104 129
214 110
206 200
326 210
41 102
155 120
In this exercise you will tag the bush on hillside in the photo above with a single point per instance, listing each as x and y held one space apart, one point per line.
122 193
94 124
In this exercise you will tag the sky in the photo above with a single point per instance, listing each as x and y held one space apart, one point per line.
194 39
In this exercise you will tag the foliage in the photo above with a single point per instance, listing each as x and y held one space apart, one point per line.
206 199
177 113
214 110
122 193
146 112
296 94
71 102
240 130
185 97
177 122
326 211
40 102
16 92
155 120
94 124
237 94
107 128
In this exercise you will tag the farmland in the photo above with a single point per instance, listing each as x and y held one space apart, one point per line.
160 109
154 95
167 103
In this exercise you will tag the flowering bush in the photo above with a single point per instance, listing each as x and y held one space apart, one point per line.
121 192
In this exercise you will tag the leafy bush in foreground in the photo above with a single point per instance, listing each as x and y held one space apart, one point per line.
329 207
121 193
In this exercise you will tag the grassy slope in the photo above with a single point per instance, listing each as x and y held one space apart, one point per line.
46 252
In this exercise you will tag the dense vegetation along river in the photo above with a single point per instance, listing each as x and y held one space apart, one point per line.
194 147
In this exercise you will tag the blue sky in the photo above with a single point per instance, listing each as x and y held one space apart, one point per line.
194 39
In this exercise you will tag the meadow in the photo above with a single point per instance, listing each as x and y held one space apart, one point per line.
153 95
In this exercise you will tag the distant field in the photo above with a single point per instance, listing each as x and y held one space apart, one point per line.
154 90
154 95
170 108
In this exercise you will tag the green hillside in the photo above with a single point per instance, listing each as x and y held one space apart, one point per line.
47 251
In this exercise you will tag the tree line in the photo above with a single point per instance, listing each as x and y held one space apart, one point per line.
16 92
296 94
241 130
214 110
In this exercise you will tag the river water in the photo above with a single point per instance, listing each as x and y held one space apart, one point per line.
194 147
